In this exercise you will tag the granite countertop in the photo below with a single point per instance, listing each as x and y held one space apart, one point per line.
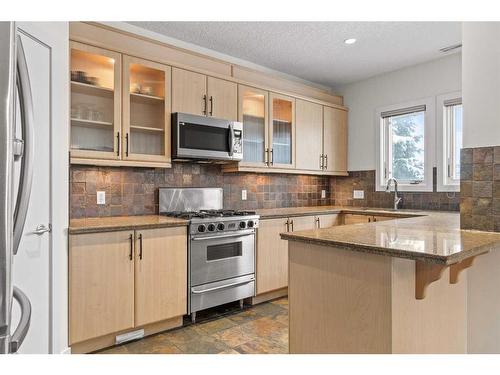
272 213
431 236
106 224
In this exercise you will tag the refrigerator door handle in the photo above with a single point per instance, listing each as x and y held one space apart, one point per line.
19 334
26 174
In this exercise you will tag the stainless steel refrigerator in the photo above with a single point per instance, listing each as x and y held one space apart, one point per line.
16 175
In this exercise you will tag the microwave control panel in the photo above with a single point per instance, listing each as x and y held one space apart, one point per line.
238 141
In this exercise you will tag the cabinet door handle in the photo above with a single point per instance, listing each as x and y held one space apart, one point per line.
321 161
291 222
126 144
287 225
318 223
369 219
211 106
140 246
374 219
272 156
326 162
204 105
266 157
118 144
131 254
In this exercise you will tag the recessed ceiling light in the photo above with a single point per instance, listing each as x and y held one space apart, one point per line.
350 41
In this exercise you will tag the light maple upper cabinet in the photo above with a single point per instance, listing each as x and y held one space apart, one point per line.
146 110
309 135
101 284
335 139
222 99
189 92
282 131
253 110
95 102
160 274
198 94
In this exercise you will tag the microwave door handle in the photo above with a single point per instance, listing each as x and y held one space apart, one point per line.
231 139
19 334
26 172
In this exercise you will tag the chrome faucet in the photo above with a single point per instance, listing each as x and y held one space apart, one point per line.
388 190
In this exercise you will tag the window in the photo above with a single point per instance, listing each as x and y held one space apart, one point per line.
406 134
449 141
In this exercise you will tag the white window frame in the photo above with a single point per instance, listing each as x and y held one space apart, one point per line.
429 144
443 144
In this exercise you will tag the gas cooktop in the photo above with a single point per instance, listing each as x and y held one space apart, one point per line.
206 214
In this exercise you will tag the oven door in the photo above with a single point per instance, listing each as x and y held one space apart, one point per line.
201 137
220 257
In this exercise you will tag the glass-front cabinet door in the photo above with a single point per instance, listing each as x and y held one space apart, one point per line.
282 131
146 110
95 102
253 105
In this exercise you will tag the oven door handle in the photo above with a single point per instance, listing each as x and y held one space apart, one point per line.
239 234
222 287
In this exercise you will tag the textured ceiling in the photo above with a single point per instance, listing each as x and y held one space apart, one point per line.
315 51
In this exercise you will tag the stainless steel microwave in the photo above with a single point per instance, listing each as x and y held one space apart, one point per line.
200 137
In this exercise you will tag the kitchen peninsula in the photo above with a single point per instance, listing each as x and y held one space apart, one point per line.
393 286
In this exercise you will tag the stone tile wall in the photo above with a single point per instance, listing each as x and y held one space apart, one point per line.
480 188
365 180
134 191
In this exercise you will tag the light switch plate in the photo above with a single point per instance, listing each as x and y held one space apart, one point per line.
243 195
101 197
323 194
358 194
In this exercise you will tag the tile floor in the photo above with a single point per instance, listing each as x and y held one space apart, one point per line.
258 329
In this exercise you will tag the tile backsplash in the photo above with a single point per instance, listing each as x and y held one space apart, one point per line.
480 187
134 191
343 188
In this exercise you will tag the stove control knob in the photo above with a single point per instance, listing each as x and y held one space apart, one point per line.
211 227
220 226
250 223
201 228
243 224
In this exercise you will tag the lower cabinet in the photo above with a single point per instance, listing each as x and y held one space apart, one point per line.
272 251
359 218
355 219
272 255
326 221
160 274
101 284
125 279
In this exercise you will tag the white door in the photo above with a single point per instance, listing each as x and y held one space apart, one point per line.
31 271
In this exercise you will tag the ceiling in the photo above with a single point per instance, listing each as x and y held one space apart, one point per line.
315 51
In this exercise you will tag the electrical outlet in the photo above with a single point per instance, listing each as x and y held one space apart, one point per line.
243 195
101 197
358 194
323 194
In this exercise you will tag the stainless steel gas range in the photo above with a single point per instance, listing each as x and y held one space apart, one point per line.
221 246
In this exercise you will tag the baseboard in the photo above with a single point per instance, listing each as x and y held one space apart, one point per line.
107 341
268 296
